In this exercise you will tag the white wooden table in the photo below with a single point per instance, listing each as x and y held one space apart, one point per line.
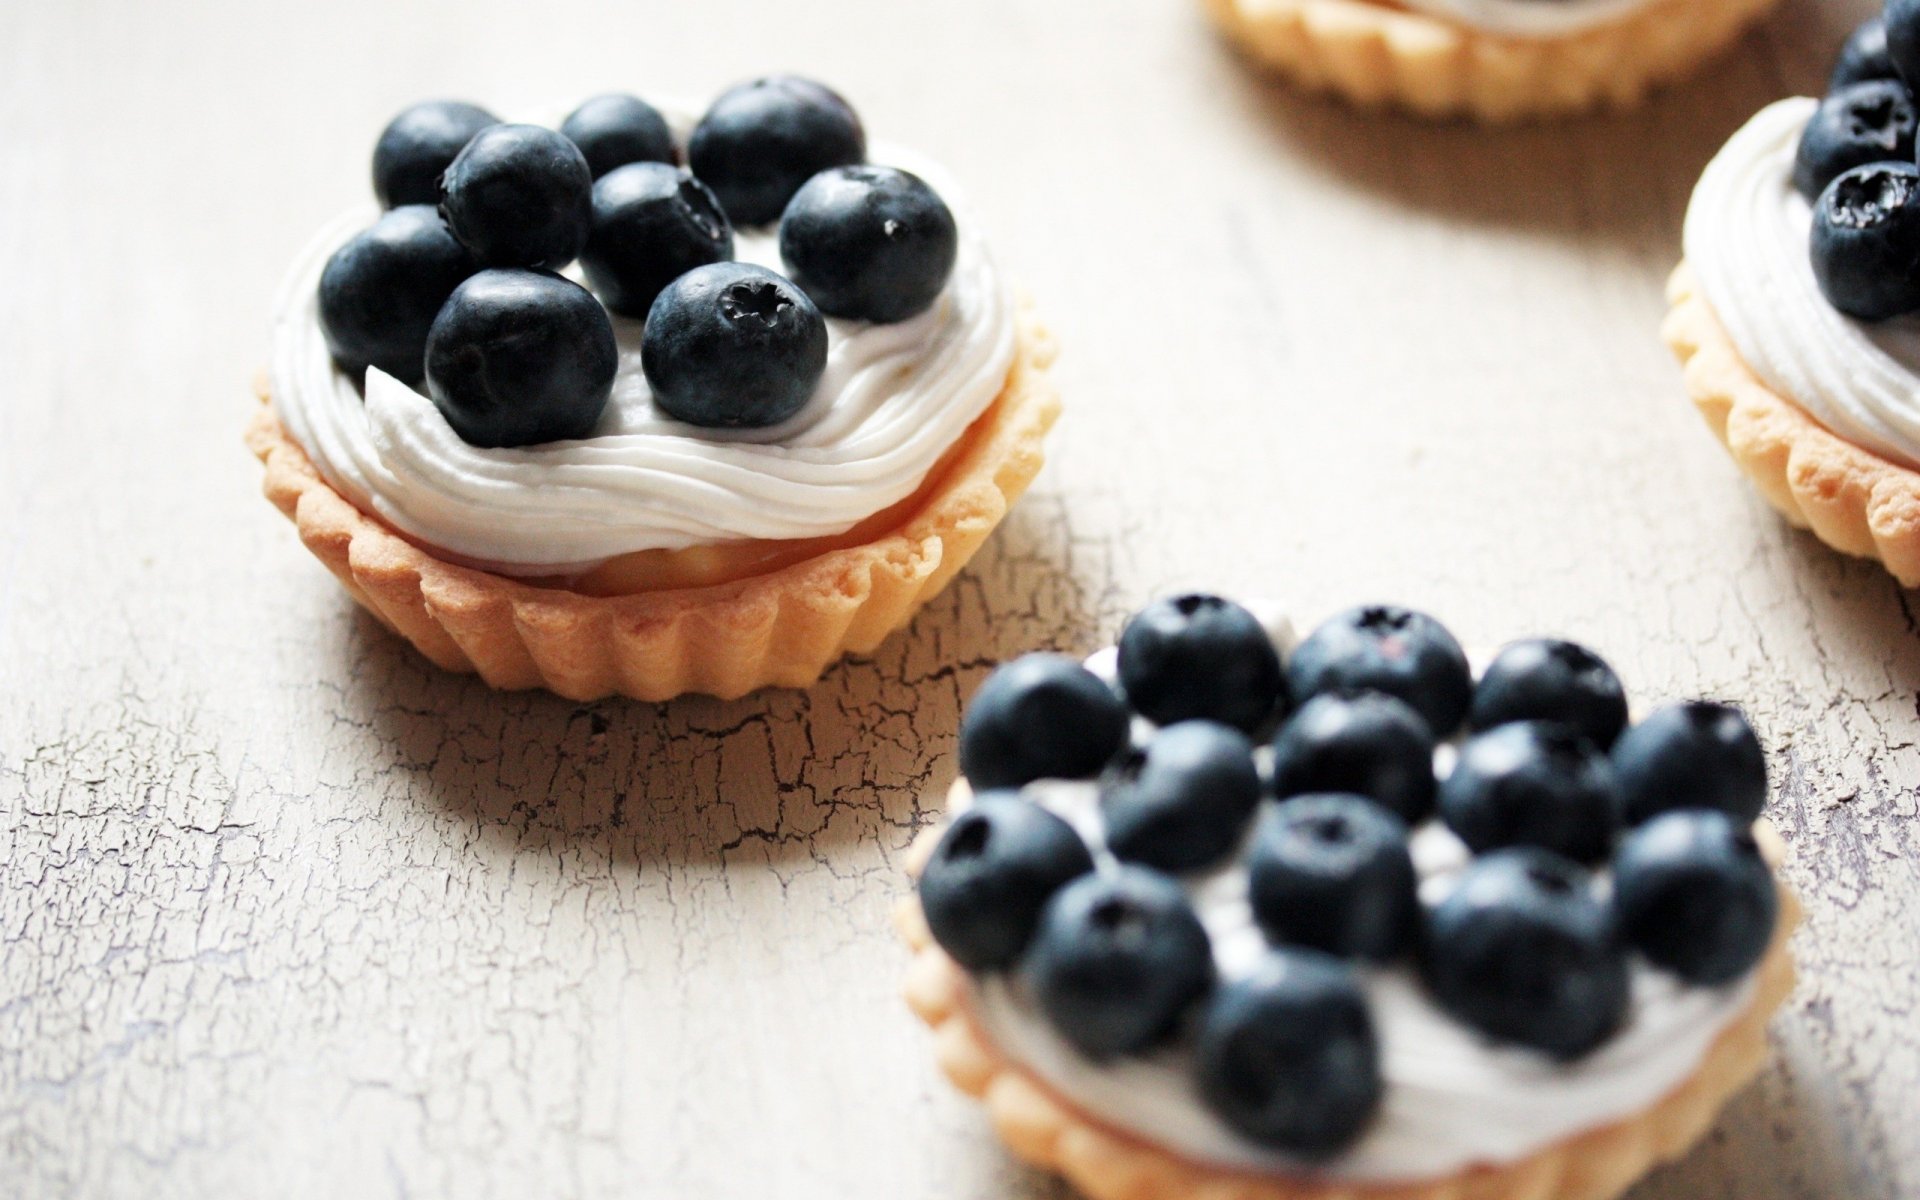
285 912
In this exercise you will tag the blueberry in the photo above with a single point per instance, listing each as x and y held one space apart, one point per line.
1198 657
1902 28
1697 755
1183 801
616 129
1522 951
1532 783
652 223
517 358
733 345
1288 1057
1692 893
1866 241
870 243
1118 960
380 292
1548 680
418 145
761 140
1043 716
1334 873
1384 649
1366 743
519 196
995 868
1863 57
1859 124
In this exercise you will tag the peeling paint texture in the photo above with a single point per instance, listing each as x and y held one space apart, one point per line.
285 912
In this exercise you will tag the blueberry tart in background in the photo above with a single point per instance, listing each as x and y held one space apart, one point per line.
1223 912
1796 310
1490 60
650 402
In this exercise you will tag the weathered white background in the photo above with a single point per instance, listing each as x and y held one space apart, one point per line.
285 912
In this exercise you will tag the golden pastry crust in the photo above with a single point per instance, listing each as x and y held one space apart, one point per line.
1374 54
782 628
1851 498
1045 1129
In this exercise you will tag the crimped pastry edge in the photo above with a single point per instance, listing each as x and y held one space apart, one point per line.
1374 56
782 628
1849 497
1047 1131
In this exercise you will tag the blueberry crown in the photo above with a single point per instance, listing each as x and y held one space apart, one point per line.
1855 164
469 193
1202 749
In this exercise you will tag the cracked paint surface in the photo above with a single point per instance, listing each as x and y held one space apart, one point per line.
283 911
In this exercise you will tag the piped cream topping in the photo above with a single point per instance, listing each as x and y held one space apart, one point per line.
1528 18
1452 1097
1748 237
893 400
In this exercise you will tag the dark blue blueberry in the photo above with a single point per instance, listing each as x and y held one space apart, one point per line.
1198 657
1866 241
1859 124
1368 744
1334 873
1901 19
1697 755
1384 649
380 292
517 358
761 140
1863 57
1043 716
616 129
419 145
1547 680
1522 951
994 869
1182 802
733 345
1118 960
1692 893
1533 784
869 243
519 196
1288 1057
652 223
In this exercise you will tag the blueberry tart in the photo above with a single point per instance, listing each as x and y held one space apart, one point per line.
1796 310
1258 958
644 400
1491 60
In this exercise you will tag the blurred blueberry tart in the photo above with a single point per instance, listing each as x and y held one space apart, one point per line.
1222 911
1796 310
1489 60
648 400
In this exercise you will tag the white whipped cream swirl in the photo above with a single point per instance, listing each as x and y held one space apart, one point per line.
893 400
1452 1098
1528 18
1748 234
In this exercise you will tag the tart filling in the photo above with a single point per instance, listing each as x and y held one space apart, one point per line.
1747 238
893 402
1437 1078
1528 18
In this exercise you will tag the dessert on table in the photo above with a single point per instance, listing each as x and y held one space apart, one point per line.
1225 912
1492 60
652 402
1796 310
